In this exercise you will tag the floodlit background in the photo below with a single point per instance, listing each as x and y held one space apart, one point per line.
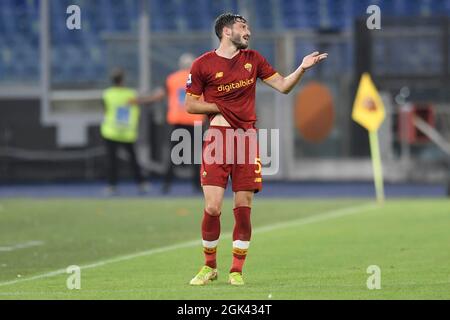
51 80
316 226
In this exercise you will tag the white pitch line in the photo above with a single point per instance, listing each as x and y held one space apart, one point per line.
293 223
23 245
317 218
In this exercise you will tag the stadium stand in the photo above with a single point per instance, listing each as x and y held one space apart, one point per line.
19 28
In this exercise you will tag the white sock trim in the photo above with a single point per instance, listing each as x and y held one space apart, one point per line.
241 244
210 244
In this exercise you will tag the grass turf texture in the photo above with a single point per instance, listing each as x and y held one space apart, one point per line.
299 249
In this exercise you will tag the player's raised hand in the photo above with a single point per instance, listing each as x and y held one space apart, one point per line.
312 59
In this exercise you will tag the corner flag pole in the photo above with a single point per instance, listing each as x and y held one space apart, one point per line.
369 112
376 164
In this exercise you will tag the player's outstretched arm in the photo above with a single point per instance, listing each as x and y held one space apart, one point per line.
195 106
285 84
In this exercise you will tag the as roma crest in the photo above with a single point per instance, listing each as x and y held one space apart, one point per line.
248 67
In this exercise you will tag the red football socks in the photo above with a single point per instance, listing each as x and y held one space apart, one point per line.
241 237
210 235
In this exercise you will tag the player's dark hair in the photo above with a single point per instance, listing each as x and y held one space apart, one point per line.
226 20
117 77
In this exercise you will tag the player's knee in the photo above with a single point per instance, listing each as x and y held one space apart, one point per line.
213 209
243 201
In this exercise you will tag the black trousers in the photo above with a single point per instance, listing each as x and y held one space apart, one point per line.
111 152
195 168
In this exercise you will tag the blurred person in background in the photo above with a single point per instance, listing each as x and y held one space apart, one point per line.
120 130
177 116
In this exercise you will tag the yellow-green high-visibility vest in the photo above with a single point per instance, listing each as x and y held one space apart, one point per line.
121 119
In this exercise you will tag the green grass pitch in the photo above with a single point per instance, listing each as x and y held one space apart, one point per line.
150 249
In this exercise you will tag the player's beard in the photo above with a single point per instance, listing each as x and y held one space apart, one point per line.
236 39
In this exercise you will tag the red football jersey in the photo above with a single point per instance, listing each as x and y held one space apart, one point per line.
230 84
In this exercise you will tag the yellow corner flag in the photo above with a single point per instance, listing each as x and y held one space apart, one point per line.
368 111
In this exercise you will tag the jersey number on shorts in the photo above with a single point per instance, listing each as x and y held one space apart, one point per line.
258 163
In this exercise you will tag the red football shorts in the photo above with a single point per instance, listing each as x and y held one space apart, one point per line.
229 153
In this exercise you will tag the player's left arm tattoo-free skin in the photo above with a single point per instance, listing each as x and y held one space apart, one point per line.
285 84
